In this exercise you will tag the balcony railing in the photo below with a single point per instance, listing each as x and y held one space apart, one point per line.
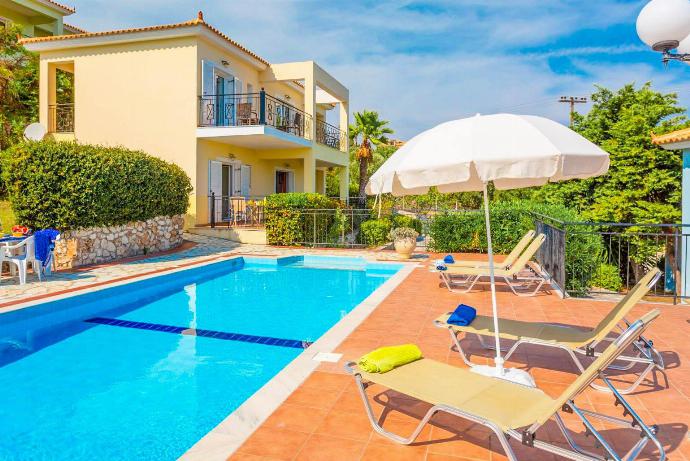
249 109
330 135
61 118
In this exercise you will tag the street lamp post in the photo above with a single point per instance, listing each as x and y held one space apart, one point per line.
664 25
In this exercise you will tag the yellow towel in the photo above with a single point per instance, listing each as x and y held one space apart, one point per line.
385 359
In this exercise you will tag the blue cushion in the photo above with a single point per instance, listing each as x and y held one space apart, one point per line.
449 259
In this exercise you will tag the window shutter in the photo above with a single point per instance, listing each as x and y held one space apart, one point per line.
207 80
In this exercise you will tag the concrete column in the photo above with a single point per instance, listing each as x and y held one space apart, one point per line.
345 123
685 219
310 100
46 92
344 183
309 174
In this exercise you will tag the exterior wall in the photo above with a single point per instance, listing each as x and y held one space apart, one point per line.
141 96
97 245
53 24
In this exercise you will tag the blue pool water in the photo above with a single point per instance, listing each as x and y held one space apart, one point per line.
109 376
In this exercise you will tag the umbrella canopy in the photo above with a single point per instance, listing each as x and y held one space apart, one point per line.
512 151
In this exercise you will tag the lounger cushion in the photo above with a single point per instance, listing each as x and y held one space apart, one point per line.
506 404
515 330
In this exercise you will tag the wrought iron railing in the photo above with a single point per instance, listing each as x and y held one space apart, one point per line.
249 109
236 211
630 250
61 118
330 136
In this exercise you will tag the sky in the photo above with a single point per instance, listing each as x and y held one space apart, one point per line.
420 63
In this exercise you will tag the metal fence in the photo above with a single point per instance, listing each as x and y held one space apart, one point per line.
61 118
235 211
629 250
339 228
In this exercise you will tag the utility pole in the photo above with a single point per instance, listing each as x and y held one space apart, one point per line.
572 100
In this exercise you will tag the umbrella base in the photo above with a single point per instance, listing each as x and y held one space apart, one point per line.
509 374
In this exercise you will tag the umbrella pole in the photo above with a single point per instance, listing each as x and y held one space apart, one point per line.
498 360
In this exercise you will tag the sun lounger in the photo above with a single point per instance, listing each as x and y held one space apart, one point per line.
575 341
506 263
511 410
469 276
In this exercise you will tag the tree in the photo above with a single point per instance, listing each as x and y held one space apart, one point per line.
18 87
643 185
366 134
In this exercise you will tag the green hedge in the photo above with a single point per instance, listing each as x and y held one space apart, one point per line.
286 224
407 221
466 232
69 186
607 277
375 231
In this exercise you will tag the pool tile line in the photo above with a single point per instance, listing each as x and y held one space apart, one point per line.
227 336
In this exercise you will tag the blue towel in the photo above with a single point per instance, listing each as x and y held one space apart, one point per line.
449 259
441 267
462 316
44 243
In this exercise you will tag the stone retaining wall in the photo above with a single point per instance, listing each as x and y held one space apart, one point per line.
97 245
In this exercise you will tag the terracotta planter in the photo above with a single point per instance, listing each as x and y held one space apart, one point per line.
405 247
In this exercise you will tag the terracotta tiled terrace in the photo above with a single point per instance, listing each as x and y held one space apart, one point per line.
324 418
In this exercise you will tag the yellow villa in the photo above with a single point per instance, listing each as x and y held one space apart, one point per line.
37 18
241 127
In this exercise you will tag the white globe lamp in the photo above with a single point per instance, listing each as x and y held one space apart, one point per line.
662 24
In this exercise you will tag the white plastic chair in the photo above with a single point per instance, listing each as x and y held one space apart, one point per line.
21 261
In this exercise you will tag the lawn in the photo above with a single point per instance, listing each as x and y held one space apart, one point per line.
6 216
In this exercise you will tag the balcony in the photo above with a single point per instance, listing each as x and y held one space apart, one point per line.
61 118
330 136
258 120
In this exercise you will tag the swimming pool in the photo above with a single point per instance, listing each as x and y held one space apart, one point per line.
144 370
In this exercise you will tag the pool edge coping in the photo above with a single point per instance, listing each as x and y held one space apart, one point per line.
229 435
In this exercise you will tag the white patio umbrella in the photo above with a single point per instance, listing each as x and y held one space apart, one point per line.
512 151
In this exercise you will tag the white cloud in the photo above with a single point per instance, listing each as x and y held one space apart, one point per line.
418 63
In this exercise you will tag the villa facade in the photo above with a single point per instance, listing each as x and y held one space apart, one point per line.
37 18
238 125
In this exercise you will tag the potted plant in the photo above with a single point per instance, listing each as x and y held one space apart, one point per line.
405 241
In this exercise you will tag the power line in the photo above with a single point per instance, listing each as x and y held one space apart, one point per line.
572 100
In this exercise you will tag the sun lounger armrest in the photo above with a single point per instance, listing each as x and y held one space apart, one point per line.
349 368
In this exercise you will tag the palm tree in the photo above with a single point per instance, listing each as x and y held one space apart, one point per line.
366 133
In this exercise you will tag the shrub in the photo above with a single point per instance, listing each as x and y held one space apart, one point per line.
403 233
375 231
286 224
69 186
607 277
466 232
407 221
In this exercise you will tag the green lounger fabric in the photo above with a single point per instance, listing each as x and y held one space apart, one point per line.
386 358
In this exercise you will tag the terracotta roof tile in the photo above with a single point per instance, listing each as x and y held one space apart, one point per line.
673 137
195 22
60 5
75 28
